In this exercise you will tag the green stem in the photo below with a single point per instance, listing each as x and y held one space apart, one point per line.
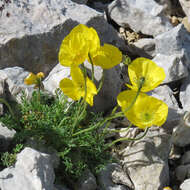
101 82
121 131
128 139
8 106
92 65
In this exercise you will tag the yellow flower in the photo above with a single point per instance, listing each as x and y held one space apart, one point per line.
76 46
34 79
167 188
145 112
75 88
143 69
83 41
107 56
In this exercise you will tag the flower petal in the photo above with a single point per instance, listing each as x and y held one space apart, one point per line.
143 67
77 76
74 48
91 91
107 56
146 111
30 79
69 89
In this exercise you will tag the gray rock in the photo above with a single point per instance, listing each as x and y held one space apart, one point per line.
175 42
14 82
86 182
186 7
185 158
31 36
184 94
60 187
165 94
173 66
181 172
185 185
32 171
148 157
6 135
136 15
180 136
2 84
80 1
144 47
105 181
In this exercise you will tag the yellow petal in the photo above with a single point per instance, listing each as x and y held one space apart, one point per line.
40 75
147 69
107 56
94 41
77 76
30 79
69 89
91 91
146 111
74 48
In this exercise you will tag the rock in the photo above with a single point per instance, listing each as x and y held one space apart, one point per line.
120 177
186 23
175 42
185 185
173 66
180 136
186 7
184 94
32 171
6 135
148 156
144 47
105 99
80 1
165 94
104 179
14 83
185 158
181 172
31 36
136 15
60 187
2 83
86 182
51 82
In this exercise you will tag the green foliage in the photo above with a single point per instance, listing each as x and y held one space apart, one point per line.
61 125
9 159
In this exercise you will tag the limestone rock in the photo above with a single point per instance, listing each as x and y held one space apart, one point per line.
6 135
104 179
136 15
186 7
173 66
31 36
147 159
180 136
185 185
175 42
14 81
32 171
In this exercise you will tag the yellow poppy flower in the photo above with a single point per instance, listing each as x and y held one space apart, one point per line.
34 79
167 188
107 56
145 112
75 88
143 69
76 46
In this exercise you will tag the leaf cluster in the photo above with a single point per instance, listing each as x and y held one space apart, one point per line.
52 121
